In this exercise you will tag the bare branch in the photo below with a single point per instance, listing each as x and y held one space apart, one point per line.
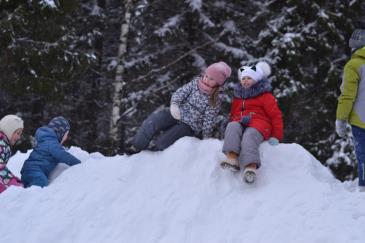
157 70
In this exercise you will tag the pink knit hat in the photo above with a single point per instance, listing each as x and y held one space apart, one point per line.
220 71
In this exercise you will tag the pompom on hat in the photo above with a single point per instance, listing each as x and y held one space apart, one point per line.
9 124
258 72
219 71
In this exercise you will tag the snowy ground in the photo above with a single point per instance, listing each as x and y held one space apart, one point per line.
182 195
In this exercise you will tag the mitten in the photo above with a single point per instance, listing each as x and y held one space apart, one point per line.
175 111
341 127
273 141
2 187
245 119
15 181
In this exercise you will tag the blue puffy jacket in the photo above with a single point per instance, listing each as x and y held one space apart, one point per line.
47 154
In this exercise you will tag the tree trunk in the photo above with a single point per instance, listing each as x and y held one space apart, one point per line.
119 83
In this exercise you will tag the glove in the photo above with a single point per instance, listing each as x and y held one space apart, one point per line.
341 128
175 111
273 141
2 187
15 181
245 119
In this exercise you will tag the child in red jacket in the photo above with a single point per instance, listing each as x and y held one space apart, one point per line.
254 118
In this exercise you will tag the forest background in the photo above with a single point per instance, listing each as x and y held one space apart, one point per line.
106 64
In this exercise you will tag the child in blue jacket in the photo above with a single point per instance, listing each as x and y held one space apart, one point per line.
47 153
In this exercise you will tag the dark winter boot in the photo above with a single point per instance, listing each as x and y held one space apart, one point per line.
231 162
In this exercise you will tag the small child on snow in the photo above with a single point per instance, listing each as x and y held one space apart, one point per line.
11 128
254 118
193 109
47 153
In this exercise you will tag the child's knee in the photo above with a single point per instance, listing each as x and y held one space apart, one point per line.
252 134
234 127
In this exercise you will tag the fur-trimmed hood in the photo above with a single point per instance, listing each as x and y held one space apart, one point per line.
255 90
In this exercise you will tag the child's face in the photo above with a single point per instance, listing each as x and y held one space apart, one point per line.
209 81
247 82
16 136
64 137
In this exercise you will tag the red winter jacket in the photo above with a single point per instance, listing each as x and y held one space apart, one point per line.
264 111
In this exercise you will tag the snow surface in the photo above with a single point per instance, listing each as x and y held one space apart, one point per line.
182 195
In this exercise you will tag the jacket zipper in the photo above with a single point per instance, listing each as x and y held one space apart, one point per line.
243 107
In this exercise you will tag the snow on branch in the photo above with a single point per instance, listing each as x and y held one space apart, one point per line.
195 4
206 20
48 3
135 97
145 59
236 52
198 60
171 23
157 70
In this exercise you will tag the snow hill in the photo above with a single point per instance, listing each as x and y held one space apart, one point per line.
182 195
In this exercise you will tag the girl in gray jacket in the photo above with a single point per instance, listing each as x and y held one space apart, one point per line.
193 110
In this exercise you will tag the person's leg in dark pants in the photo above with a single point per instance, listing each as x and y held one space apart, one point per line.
155 123
359 141
34 178
176 132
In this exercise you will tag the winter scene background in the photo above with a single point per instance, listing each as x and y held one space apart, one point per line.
107 64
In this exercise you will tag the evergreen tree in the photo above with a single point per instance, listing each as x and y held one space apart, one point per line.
46 52
307 44
61 58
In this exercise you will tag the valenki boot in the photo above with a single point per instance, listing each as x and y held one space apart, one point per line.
231 162
249 173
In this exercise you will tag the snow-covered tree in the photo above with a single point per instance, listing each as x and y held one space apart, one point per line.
47 53
63 57
307 43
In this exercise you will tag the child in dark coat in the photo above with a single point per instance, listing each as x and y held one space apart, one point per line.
254 117
47 153
11 128
193 110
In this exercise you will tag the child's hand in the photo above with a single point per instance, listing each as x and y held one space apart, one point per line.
245 119
273 141
175 111
341 128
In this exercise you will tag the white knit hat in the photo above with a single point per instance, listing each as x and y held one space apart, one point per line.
9 124
258 72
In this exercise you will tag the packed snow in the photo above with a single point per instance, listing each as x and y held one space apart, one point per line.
182 195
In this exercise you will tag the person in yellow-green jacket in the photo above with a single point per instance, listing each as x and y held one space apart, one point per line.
351 103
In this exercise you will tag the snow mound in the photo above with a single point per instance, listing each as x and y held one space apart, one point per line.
182 195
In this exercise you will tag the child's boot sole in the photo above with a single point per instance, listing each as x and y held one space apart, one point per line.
229 166
249 175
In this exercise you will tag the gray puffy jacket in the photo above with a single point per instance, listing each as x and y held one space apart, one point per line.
195 109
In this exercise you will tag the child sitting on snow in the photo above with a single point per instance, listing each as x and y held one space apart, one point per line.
47 153
254 117
11 128
193 109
